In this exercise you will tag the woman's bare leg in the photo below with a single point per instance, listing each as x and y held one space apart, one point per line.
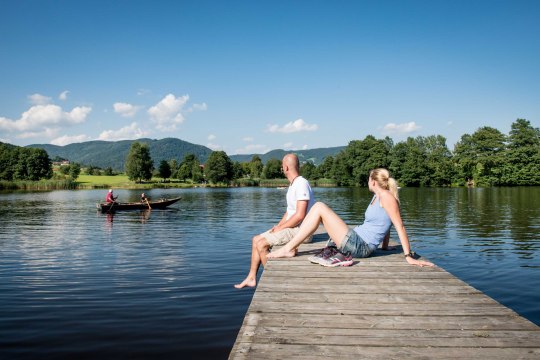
320 212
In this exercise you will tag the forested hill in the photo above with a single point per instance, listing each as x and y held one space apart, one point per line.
113 154
316 156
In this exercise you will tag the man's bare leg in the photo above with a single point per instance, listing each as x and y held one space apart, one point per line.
251 278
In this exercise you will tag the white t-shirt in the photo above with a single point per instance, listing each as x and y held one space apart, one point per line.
299 190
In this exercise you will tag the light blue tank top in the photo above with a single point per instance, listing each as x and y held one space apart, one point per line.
376 224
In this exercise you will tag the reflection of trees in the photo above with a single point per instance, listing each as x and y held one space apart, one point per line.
426 213
497 220
525 220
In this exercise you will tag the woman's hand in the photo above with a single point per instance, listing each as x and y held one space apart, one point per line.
416 262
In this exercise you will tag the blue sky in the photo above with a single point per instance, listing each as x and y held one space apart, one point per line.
252 76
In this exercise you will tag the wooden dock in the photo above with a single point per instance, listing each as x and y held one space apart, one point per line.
379 308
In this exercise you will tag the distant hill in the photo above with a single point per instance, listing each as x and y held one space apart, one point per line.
316 156
113 154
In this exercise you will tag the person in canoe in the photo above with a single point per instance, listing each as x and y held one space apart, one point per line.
361 241
110 199
300 198
145 199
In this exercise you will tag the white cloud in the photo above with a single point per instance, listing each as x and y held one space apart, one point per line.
167 113
248 139
63 95
40 117
404 128
45 133
290 146
142 92
130 132
292 127
125 109
200 107
253 149
287 146
211 137
214 147
66 139
38 99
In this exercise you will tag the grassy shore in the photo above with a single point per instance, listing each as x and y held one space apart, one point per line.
122 182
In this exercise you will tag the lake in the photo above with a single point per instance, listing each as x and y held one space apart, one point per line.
76 283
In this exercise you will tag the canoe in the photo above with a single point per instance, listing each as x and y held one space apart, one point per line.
160 204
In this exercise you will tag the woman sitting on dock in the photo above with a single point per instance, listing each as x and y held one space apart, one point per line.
361 241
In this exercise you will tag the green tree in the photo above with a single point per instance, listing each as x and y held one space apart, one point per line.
489 144
74 171
189 168
522 165
480 156
309 171
33 164
438 161
139 164
164 169
414 170
362 156
325 168
273 170
341 170
256 167
218 168
237 170
464 159
7 161
173 164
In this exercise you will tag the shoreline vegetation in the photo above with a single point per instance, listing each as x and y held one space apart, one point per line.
88 182
486 158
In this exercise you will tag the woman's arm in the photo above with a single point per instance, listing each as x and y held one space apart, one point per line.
390 204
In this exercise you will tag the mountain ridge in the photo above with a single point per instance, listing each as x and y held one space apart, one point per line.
113 154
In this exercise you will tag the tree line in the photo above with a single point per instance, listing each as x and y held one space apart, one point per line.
485 158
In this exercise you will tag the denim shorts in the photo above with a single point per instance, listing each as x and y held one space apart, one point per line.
359 248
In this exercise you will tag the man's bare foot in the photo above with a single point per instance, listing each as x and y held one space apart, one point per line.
249 282
282 253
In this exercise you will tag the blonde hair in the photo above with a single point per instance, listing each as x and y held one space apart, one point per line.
383 179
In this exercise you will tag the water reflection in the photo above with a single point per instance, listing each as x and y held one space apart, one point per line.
165 276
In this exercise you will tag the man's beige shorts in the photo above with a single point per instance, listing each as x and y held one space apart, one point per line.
283 236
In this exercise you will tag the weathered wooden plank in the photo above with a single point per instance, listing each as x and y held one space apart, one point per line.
404 322
418 309
308 351
372 337
325 298
380 308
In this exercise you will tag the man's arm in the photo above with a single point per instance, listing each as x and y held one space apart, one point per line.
296 219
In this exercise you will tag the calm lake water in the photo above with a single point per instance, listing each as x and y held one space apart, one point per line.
75 283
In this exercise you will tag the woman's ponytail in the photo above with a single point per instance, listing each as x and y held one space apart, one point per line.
383 179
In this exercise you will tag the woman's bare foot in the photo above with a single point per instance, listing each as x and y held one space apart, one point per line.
249 282
282 253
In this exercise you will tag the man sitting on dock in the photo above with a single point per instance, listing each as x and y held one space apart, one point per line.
299 201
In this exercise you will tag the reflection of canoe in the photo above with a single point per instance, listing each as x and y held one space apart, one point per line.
160 204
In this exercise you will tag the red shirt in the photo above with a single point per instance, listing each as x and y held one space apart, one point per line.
109 198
